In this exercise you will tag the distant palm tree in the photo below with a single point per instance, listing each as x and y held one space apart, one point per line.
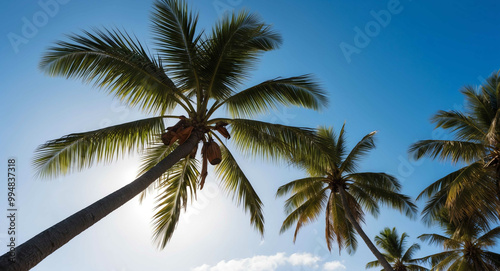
335 186
473 190
465 247
394 248
200 72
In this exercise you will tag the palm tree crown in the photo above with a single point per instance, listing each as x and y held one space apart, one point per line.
336 187
466 247
198 71
472 191
395 251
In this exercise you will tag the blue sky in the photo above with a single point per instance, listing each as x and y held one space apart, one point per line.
399 75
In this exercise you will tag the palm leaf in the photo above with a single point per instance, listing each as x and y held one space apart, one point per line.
390 198
236 183
408 256
464 126
361 149
297 185
153 155
174 31
488 239
299 91
232 49
181 183
77 151
113 60
448 149
270 141
300 196
307 212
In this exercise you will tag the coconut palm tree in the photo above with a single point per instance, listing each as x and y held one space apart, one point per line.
466 246
473 190
335 186
198 72
395 251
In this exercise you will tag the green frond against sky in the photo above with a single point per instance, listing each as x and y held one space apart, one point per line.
418 71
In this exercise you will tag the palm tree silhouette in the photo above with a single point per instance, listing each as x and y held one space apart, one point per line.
335 186
199 72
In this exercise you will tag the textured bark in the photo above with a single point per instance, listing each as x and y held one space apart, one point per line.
381 259
42 245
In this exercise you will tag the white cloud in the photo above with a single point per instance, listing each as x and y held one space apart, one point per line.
333 266
264 263
305 259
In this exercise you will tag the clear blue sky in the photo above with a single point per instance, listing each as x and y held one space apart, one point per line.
409 68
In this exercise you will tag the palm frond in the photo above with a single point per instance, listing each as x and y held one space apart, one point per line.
462 175
380 179
299 91
365 199
464 126
232 49
111 59
455 151
152 156
270 141
389 241
414 267
479 105
440 240
408 256
393 199
372 264
307 212
236 183
342 228
297 185
77 151
174 31
492 258
488 239
300 196
361 149
174 197
441 260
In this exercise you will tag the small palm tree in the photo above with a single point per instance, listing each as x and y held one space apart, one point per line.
199 72
335 186
394 247
465 246
473 190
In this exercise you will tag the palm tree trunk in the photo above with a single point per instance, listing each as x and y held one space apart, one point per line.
381 259
33 251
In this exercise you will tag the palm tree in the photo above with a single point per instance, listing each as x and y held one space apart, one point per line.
335 185
199 72
473 190
465 246
394 247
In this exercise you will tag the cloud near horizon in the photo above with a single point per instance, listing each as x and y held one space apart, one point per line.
272 263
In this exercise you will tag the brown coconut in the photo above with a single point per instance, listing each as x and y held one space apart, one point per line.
219 126
213 153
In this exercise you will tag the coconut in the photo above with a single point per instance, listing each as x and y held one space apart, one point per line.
213 153
219 126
